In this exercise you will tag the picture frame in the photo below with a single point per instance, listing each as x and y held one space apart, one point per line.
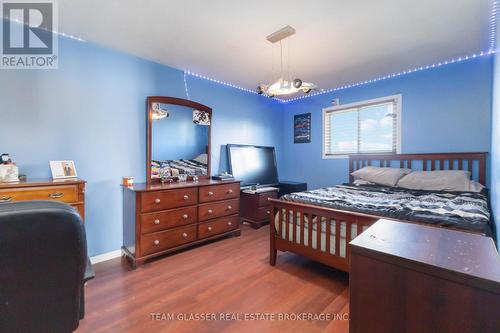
302 128
63 169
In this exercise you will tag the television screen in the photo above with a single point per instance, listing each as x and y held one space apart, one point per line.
253 165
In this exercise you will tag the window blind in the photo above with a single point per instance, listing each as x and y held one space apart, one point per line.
366 127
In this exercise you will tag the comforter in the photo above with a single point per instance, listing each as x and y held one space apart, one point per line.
462 210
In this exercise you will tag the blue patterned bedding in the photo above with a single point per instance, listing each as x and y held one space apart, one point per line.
462 210
177 167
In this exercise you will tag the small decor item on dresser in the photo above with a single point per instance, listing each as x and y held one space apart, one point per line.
62 169
182 177
9 172
128 181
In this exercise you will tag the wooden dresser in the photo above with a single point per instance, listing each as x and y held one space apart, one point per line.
406 277
255 207
162 218
70 191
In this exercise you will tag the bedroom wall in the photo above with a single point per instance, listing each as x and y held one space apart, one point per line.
495 144
92 110
446 109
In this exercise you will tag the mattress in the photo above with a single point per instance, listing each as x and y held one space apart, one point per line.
468 211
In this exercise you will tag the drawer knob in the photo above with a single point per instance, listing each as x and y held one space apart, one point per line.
229 223
5 199
156 242
185 216
229 207
268 212
157 222
229 191
184 235
157 200
210 193
56 195
209 228
185 197
210 211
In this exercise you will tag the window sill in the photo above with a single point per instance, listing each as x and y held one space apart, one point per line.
336 157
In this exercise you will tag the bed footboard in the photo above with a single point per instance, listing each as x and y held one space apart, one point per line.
321 234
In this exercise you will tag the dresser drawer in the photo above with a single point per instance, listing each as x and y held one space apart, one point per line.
163 240
161 200
218 226
152 222
219 192
64 193
263 198
218 209
263 213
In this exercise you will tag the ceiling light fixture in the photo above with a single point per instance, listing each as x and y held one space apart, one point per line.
283 86
158 113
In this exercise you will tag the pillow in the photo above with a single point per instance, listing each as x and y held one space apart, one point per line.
439 180
382 176
202 158
475 186
361 182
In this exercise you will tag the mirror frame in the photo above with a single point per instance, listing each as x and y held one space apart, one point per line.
149 127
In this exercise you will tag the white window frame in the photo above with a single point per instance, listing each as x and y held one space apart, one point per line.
339 108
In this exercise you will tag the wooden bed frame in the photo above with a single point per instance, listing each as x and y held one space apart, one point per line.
300 240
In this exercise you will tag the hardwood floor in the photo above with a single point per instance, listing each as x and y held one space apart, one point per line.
228 276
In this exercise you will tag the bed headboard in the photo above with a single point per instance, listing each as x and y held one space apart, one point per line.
473 162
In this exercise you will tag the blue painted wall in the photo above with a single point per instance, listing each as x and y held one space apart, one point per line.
495 143
446 109
92 110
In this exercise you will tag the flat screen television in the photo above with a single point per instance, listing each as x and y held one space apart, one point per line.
253 165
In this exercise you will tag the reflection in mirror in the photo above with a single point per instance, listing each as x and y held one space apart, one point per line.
179 141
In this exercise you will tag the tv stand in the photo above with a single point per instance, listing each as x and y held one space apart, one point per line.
255 207
289 187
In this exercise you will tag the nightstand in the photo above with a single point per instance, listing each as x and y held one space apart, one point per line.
255 207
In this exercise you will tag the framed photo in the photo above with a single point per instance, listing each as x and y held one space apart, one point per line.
302 128
62 169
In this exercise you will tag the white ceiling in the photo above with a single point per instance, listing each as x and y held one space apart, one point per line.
337 41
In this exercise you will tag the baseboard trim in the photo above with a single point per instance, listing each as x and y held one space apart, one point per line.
105 256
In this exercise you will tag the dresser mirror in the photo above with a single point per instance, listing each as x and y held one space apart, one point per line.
178 139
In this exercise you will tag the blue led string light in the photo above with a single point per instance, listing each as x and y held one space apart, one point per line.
493 24
492 49
186 86
393 75
62 34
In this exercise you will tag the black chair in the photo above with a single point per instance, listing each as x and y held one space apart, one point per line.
43 267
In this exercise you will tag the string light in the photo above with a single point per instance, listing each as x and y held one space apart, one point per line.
186 86
227 84
62 34
393 75
492 49
493 24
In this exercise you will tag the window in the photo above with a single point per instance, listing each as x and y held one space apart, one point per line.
364 127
